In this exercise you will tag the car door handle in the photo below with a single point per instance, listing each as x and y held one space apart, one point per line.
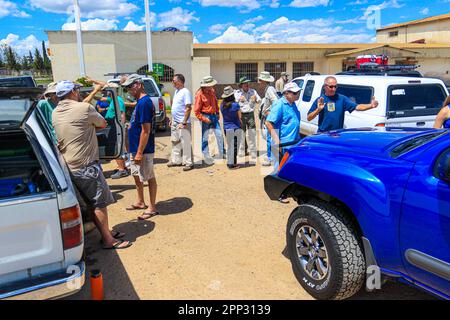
420 124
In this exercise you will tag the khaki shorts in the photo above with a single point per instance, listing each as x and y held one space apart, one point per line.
144 170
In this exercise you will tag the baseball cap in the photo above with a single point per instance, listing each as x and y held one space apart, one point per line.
51 88
132 79
64 87
291 86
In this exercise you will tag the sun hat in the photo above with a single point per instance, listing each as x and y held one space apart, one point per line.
64 87
51 88
132 78
208 82
244 79
227 92
291 86
265 76
284 74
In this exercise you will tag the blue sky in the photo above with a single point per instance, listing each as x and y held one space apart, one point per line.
22 23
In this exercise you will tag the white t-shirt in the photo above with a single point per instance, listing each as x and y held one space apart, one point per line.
181 98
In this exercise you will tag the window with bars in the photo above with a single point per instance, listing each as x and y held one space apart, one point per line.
275 68
299 69
165 76
393 34
249 70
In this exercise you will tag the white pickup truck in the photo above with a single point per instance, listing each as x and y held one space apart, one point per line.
403 101
41 228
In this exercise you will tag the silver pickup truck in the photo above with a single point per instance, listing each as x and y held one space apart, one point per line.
41 227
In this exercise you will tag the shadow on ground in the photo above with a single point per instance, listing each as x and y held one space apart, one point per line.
174 205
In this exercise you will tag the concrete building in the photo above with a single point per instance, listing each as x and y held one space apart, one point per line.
125 51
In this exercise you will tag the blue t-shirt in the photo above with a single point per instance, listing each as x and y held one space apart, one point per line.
144 112
447 122
230 116
332 116
285 118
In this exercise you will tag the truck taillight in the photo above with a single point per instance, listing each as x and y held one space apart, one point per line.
161 104
71 227
283 160
380 125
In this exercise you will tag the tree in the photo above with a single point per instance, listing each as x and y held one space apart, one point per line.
30 57
47 63
38 61
11 58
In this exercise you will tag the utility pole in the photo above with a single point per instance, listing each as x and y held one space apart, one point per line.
76 9
149 36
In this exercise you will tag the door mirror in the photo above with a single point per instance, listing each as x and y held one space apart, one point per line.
443 166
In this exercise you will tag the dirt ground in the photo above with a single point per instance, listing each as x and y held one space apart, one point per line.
218 237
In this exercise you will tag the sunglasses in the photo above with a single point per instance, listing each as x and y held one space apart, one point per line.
331 87
295 93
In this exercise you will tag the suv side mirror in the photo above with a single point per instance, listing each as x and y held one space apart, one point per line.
443 167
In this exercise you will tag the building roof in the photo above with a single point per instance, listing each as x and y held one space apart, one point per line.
344 46
425 20
359 50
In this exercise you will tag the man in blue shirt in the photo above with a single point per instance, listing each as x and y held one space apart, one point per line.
283 122
141 136
331 107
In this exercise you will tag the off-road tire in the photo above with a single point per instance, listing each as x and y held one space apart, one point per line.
346 264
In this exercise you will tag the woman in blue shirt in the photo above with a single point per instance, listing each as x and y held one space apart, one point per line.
443 117
232 124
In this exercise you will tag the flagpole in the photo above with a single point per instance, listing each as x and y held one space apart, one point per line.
149 36
76 8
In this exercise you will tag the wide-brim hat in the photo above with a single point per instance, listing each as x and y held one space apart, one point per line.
265 76
51 88
132 79
284 74
227 92
208 82
243 80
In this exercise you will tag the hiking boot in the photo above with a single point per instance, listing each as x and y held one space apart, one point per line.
187 168
120 174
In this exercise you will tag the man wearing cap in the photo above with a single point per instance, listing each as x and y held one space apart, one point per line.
206 109
270 98
48 104
247 99
75 125
280 83
141 136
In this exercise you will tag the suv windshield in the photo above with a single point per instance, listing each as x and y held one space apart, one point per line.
414 143
22 82
412 100
12 112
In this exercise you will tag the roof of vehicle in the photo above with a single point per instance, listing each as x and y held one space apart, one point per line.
29 92
374 80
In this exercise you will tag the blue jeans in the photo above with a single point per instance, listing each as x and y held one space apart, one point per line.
269 143
215 126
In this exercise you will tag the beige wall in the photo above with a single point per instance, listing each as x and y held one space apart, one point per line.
119 52
200 68
433 32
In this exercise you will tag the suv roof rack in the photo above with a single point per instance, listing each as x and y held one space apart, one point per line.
374 69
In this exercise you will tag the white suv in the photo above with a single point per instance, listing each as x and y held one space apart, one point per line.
403 101
41 229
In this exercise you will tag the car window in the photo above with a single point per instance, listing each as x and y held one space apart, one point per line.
12 112
412 100
17 82
308 92
443 165
414 143
150 88
358 94
299 82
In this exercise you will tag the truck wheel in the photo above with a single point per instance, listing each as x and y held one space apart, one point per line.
324 250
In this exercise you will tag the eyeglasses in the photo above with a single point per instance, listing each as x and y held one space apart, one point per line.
295 93
331 87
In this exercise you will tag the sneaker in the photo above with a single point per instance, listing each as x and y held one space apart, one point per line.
171 164
120 174
187 168
266 163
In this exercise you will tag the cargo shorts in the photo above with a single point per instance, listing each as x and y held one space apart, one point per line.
144 170
92 186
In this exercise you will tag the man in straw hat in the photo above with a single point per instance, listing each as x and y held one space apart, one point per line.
247 99
270 97
206 109
48 104
281 82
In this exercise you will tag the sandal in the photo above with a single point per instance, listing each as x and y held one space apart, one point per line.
133 207
284 200
116 235
148 215
117 245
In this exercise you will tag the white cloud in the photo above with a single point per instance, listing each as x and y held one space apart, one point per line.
22 46
384 5
425 11
234 35
218 28
283 30
89 9
177 17
8 8
131 26
274 4
308 3
93 24
255 19
245 5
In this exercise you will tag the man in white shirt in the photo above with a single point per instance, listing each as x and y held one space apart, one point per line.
247 99
180 126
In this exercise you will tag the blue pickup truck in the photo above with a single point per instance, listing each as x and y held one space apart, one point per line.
369 199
